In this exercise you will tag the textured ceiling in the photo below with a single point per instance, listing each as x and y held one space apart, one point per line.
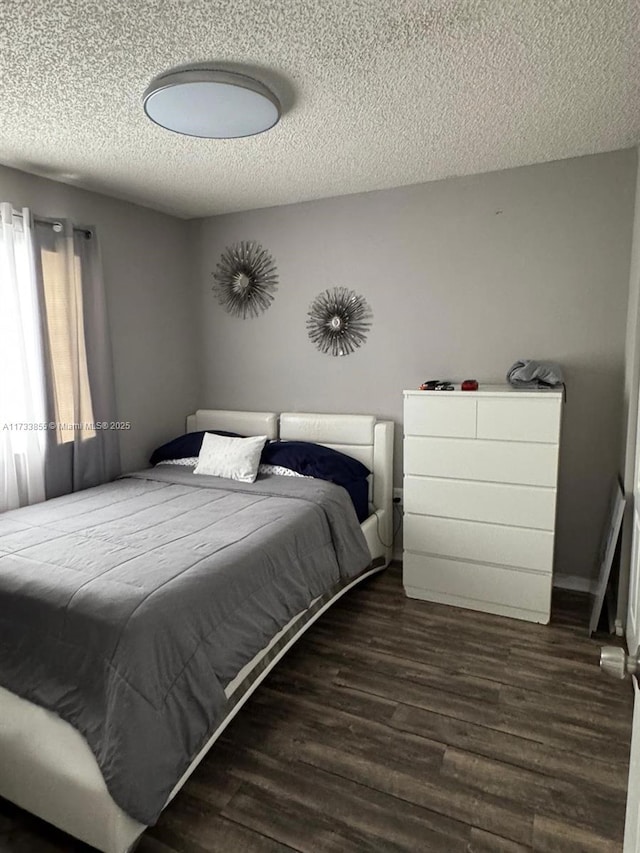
377 93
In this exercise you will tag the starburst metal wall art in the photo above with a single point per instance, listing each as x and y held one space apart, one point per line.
338 321
245 279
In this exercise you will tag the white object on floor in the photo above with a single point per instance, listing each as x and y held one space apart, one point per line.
612 533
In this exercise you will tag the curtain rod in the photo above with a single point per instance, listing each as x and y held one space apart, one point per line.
46 220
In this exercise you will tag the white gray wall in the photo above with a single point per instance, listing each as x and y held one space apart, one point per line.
146 257
463 276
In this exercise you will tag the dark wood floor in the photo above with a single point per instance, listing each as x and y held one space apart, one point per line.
398 725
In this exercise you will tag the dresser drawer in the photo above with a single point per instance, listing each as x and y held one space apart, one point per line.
522 506
479 542
525 419
469 583
438 414
501 462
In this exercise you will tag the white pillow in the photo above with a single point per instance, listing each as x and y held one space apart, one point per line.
233 458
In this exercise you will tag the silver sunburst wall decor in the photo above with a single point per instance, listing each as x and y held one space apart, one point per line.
245 279
338 321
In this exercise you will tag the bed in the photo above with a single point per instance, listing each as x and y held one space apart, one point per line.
46 765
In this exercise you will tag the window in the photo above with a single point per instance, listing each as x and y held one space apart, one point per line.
69 380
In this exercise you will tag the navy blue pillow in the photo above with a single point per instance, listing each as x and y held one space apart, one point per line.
359 494
185 446
314 460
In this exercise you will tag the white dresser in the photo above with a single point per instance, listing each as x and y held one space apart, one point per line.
480 482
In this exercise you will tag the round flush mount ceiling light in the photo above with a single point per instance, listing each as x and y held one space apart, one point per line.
211 104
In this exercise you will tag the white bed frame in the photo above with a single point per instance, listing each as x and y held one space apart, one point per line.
46 766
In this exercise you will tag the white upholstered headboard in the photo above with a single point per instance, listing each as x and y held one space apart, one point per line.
246 423
361 436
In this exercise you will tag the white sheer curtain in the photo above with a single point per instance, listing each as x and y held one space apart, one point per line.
22 386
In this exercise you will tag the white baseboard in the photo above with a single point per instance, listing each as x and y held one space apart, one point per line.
575 582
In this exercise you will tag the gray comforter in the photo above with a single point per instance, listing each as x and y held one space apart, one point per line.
127 608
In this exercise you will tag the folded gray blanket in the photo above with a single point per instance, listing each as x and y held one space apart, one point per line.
527 373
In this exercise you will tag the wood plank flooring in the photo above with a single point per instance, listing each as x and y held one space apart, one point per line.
398 725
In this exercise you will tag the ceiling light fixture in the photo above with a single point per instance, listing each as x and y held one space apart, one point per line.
211 104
